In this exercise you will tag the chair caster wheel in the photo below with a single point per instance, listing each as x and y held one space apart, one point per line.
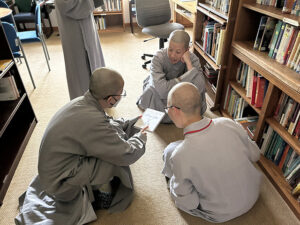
144 66
143 57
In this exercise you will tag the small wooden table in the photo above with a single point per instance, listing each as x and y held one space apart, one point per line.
5 12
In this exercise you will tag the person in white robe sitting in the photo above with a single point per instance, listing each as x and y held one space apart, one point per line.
170 66
84 158
211 172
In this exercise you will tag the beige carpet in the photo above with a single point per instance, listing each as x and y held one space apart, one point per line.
152 203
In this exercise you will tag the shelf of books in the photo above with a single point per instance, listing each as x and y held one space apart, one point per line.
213 30
110 17
17 119
263 89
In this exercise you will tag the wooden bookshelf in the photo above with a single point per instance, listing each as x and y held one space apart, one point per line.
227 20
184 12
17 121
280 77
114 20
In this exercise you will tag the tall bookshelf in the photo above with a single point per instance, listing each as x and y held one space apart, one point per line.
17 120
206 10
110 18
281 79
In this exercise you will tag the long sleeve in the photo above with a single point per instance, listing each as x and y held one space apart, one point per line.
160 83
182 190
108 143
188 76
251 150
75 9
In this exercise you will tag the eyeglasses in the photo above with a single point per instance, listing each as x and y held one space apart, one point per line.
123 94
169 107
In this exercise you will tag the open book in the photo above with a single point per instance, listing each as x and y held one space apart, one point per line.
150 118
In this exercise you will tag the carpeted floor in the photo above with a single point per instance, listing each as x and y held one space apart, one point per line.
152 203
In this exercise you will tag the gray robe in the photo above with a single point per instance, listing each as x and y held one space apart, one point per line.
162 78
82 148
80 42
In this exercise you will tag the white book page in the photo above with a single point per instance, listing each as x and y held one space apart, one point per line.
150 118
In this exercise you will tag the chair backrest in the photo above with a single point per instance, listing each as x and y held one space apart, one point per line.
12 37
8 18
152 12
24 5
38 21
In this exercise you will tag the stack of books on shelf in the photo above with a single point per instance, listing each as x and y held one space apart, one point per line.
211 74
222 5
255 85
213 39
112 5
249 124
287 6
8 89
280 40
100 22
287 113
236 106
274 148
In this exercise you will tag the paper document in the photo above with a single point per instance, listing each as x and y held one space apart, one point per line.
150 118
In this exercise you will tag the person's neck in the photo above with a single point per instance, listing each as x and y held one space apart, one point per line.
192 119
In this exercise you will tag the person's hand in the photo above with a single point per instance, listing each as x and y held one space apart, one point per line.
143 130
186 58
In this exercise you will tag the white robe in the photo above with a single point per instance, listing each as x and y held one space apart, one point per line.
162 78
82 148
80 43
211 171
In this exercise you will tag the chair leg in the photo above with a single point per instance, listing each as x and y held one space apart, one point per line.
45 53
24 56
44 42
145 64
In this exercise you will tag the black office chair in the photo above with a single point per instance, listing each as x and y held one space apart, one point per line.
154 17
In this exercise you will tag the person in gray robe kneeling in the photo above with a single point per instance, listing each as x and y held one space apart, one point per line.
211 172
170 66
84 159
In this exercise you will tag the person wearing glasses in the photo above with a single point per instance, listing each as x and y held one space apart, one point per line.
170 66
210 173
84 158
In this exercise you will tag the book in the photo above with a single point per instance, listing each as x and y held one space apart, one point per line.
259 97
8 89
150 118
267 35
286 37
296 190
290 46
282 29
220 46
294 50
274 38
288 6
283 157
260 32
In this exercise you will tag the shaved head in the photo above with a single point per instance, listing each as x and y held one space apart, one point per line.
186 96
180 36
105 82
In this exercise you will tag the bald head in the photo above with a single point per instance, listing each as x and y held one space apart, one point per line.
180 36
185 96
105 82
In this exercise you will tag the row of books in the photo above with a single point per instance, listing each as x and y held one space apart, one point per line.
287 113
222 5
110 5
100 22
8 88
236 106
280 40
255 85
288 6
212 38
278 151
249 124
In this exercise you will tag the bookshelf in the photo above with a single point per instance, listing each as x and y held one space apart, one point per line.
225 21
17 120
110 18
281 79
184 12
